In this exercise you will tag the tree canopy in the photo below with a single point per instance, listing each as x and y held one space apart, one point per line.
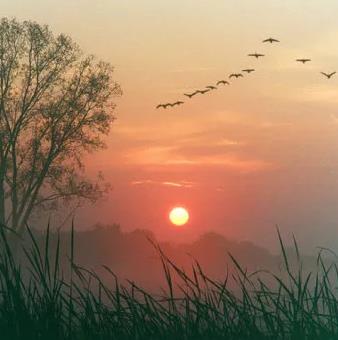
56 103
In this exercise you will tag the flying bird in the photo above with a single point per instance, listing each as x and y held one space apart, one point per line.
203 91
223 82
164 106
256 55
236 75
328 75
210 87
179 102
303 60
190 95
270 40
248 70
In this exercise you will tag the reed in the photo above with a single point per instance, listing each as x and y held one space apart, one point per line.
40 302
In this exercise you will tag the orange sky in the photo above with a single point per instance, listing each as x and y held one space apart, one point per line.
260 152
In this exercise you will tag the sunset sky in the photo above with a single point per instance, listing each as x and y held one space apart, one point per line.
261 152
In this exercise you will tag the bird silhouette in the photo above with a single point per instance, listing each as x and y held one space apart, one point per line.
179 102
328 75
190 95
303 60
256 55
203 91
236 75
223 82
164 106
248 70
211 87
271 40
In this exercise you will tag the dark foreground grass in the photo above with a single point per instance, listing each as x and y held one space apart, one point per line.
39 303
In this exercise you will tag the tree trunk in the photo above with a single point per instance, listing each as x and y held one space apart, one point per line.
2 204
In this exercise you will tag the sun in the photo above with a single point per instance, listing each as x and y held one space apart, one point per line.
179 216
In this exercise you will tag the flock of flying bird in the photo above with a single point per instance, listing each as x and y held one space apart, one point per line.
237 75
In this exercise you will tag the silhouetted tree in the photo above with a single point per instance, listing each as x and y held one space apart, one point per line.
55 104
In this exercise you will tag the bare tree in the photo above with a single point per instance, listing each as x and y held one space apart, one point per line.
55 105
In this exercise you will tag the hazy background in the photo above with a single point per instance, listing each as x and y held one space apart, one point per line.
261 152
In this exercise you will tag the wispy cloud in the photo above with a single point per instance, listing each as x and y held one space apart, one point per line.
209 148
176 184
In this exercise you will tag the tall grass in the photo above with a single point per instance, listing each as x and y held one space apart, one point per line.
39 301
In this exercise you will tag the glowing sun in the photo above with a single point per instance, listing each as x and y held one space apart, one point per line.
179 216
